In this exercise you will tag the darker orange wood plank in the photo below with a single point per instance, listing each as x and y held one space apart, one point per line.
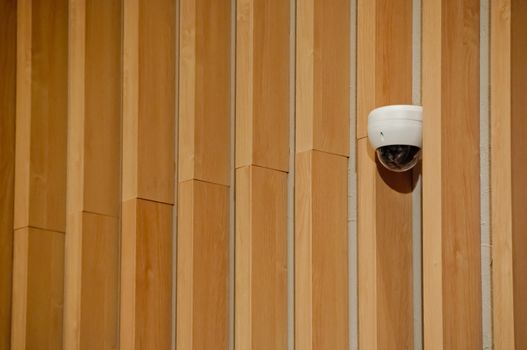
146 275
149 96
94 176
202 266
262 84
38 289
7 161
204 105
508 171
40 173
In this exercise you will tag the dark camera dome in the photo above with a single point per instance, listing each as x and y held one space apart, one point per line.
398 157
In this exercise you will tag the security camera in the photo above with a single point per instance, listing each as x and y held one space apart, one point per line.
395 134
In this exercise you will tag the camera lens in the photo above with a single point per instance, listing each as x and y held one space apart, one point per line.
398 157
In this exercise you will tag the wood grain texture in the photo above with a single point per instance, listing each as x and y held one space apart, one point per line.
501 176
451 187
322 84
508 203
204 101
37 289
94 121
384 76
40 170
519 167
384 56
262 84
149 99
202 266
261 258
93 198
7 161
321 251
146 275
91 282
40 174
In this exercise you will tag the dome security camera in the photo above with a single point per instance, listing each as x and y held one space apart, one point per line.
395 132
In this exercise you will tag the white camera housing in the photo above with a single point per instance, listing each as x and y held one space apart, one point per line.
395 132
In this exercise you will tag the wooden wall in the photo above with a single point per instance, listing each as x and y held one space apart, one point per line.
508 155
384 208
8 58
149 151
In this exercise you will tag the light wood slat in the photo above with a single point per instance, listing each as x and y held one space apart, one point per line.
508 171
93 205
261 258
91 282
451 187
262 84
40 186
204 102
322 85
321 251
38 289
202 266
40 174
384 76
146 275
384 56
149 100
148 173
94 122
7 161
501 176
262 150
384 254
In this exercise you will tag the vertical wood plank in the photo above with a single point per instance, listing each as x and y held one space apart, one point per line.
508 110
384 74
38 289
40 174
202 263
91 282
40 186
148 173
262 84
7 161
322 142
93 198
204 149
322 100
519 169
321 254
149 100
204 174
262 156
261 258
451 189
146 275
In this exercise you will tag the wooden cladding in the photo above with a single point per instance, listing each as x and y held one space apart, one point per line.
40 174
322 143
157 156
451 185
8 58
384 212
94 158
508 172
148 173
